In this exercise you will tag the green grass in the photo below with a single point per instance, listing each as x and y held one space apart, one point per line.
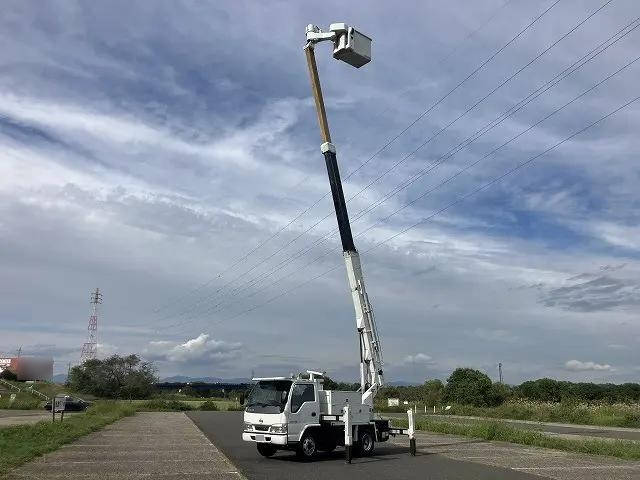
488 430
209 406
23 401
162 405
22 443
606 415
159 405
29 401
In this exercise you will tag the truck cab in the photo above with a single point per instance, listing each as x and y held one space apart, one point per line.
287 413
279 410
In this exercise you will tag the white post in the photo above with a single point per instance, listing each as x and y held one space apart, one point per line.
434 409
411 431
348 435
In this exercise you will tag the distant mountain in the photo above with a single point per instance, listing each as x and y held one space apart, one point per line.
402 383
185 379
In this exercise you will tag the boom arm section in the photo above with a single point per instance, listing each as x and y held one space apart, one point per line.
371 378
370 349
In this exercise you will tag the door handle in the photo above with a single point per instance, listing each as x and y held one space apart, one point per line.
313 414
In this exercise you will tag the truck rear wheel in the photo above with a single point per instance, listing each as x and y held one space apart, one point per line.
366 443
266 450
308 447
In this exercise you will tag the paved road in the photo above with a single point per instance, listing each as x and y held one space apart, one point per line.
158 446
391 461
546 427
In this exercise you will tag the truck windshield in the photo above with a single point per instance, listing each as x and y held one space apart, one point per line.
269 396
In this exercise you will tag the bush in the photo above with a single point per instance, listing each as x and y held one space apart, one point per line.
159 405
116 377
498 394
7 374
468 386
209 406
235 408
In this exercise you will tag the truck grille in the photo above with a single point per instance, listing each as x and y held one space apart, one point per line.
261 428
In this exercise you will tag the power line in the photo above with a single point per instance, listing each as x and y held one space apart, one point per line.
455 150
455 202
492 152
380 150
297 185
452 177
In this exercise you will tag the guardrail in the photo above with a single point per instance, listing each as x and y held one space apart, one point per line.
36 392
9 384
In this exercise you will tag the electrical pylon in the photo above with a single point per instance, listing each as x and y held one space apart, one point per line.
90 347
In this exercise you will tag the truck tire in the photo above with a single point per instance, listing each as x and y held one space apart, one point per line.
366 443
308 447
266 450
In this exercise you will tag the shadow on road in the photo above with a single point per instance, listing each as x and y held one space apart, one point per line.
390 452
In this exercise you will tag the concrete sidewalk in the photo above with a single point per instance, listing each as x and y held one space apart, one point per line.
547 463
163 445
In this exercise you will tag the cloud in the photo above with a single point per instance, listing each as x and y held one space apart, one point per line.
578 366
129 165
601 293
618 346
198 350
495 335
419 359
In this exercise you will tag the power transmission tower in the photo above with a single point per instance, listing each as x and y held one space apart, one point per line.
90 347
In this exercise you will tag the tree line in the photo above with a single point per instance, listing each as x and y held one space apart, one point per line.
467 386
127 377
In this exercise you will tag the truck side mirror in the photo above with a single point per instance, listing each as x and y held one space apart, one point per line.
241 399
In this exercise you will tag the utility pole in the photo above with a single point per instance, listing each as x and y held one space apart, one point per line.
500 371
90 347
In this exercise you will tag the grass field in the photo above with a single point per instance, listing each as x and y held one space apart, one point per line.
160 404
23 443
489 430
607 415
29 401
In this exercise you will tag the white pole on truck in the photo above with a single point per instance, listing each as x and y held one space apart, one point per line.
411 431
348 433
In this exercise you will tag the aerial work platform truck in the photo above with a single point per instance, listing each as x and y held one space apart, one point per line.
297 413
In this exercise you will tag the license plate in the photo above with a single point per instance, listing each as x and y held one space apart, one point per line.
260 438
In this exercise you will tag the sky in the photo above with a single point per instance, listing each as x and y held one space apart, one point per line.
169 154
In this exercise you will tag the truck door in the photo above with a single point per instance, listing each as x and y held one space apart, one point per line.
304 409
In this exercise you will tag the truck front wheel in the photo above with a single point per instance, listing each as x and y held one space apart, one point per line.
266 450
308 447
366 443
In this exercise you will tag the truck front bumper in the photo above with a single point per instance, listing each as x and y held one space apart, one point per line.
265 437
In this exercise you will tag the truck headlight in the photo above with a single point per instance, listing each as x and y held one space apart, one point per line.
278 428
248 426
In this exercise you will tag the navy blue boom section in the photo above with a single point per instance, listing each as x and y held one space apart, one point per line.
338 202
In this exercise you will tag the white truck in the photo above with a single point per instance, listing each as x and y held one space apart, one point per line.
297 413
285 413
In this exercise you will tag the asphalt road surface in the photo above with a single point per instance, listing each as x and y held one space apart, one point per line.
391 461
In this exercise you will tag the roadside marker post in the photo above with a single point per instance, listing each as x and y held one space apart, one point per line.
412 437
348 434
59 405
